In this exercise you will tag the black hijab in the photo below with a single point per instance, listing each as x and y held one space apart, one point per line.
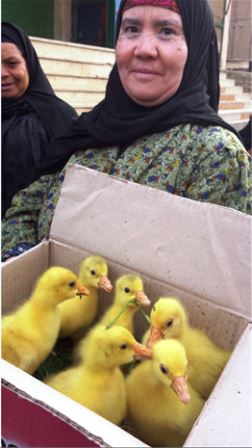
53 112
119 120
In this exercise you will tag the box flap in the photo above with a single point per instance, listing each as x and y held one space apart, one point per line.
199 247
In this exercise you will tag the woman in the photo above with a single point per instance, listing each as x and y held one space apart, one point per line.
31 113
156 126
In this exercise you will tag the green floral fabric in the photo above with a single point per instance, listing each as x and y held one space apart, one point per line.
206 164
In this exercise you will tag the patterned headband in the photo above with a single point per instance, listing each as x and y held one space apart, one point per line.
170 4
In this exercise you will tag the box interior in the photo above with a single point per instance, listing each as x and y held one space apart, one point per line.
223 326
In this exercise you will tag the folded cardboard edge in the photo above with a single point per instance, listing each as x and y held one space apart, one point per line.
201 246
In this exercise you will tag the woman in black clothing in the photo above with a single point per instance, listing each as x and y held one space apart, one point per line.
32 115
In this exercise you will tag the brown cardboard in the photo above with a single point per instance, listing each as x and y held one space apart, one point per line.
198 252
202 248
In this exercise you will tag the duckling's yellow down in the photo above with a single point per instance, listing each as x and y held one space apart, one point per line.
156 414
129 293
98 382
30 332
78 313
206 359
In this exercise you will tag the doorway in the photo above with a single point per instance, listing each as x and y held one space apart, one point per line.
94 22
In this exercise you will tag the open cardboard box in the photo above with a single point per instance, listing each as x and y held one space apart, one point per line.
195 251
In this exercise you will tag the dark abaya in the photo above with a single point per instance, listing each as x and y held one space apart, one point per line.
30 122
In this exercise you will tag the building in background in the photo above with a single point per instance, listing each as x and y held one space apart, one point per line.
233 25
92 22
83 21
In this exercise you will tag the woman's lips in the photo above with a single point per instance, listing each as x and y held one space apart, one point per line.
6 86
145 73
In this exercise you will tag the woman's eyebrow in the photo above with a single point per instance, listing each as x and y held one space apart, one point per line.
10 59
157 23
131 22
170 22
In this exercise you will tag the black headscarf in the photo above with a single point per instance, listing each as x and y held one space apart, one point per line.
119 120
53 112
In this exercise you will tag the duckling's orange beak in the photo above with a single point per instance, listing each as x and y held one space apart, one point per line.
155 336
104 283
142 299
141 351
82 290
180 388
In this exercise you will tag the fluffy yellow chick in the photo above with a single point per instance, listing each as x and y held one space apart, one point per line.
206 359
129 293
30 332
162 408
78 313
98 382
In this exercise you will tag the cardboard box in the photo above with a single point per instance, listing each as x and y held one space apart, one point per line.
198 252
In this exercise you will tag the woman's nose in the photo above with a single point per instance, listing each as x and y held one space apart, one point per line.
4 71
146 46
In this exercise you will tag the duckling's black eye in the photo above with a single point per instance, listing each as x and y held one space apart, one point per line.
164 369
72 284
126 289
154 308
169 323
123 346
93 272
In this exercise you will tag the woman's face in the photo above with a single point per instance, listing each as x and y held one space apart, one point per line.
15 76
151 54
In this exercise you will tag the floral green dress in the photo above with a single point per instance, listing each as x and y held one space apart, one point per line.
207 164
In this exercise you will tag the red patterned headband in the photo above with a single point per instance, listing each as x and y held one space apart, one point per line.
170 4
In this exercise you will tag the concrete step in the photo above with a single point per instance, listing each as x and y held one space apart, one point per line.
76 69
241 78
227 82
81 99
77 84
235 105
233 95
239 74
234 116
68 51
240 65
238 125
246 87
231 89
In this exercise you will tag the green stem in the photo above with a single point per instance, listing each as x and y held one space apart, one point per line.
132 366
120 313
147 317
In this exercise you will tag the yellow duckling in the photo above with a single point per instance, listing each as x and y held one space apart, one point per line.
159 416
206 359
30 332
78 313
129 293
98 383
